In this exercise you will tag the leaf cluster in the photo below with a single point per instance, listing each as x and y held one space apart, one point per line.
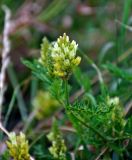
100 125
53 85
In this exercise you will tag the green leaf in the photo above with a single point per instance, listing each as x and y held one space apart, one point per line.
41 153
82 79
5 155
116 71
128 127
56 89
54 8
38 70
90 99
16 86
96 123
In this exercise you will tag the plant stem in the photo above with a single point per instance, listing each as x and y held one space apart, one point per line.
4 130
90 127
66 92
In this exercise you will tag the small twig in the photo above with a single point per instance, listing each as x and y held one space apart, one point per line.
31 158
128 107
4 130
98 72
29 120
90 61
124 25
101 153
123 56
72 156
5 57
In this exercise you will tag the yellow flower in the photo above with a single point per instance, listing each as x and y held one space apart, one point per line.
60 56
58 148
44 104
18 146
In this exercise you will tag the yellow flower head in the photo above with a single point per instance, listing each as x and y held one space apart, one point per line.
62 56
18 146
58 148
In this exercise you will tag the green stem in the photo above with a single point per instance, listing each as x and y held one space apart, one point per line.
90 127
66 92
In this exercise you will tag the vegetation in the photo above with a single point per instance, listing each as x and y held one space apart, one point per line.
70 97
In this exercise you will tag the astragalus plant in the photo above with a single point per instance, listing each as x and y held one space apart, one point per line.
100 122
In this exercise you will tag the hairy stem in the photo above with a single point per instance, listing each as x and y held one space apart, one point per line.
66 92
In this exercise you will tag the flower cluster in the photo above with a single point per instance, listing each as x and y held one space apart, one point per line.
113 101
117 113
18 146
58 148
46 49
60 56
44 104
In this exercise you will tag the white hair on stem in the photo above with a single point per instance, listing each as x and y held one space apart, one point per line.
5 54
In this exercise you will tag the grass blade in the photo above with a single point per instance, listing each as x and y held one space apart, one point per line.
19 97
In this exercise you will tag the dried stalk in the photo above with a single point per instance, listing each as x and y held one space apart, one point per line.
102 152
5 55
